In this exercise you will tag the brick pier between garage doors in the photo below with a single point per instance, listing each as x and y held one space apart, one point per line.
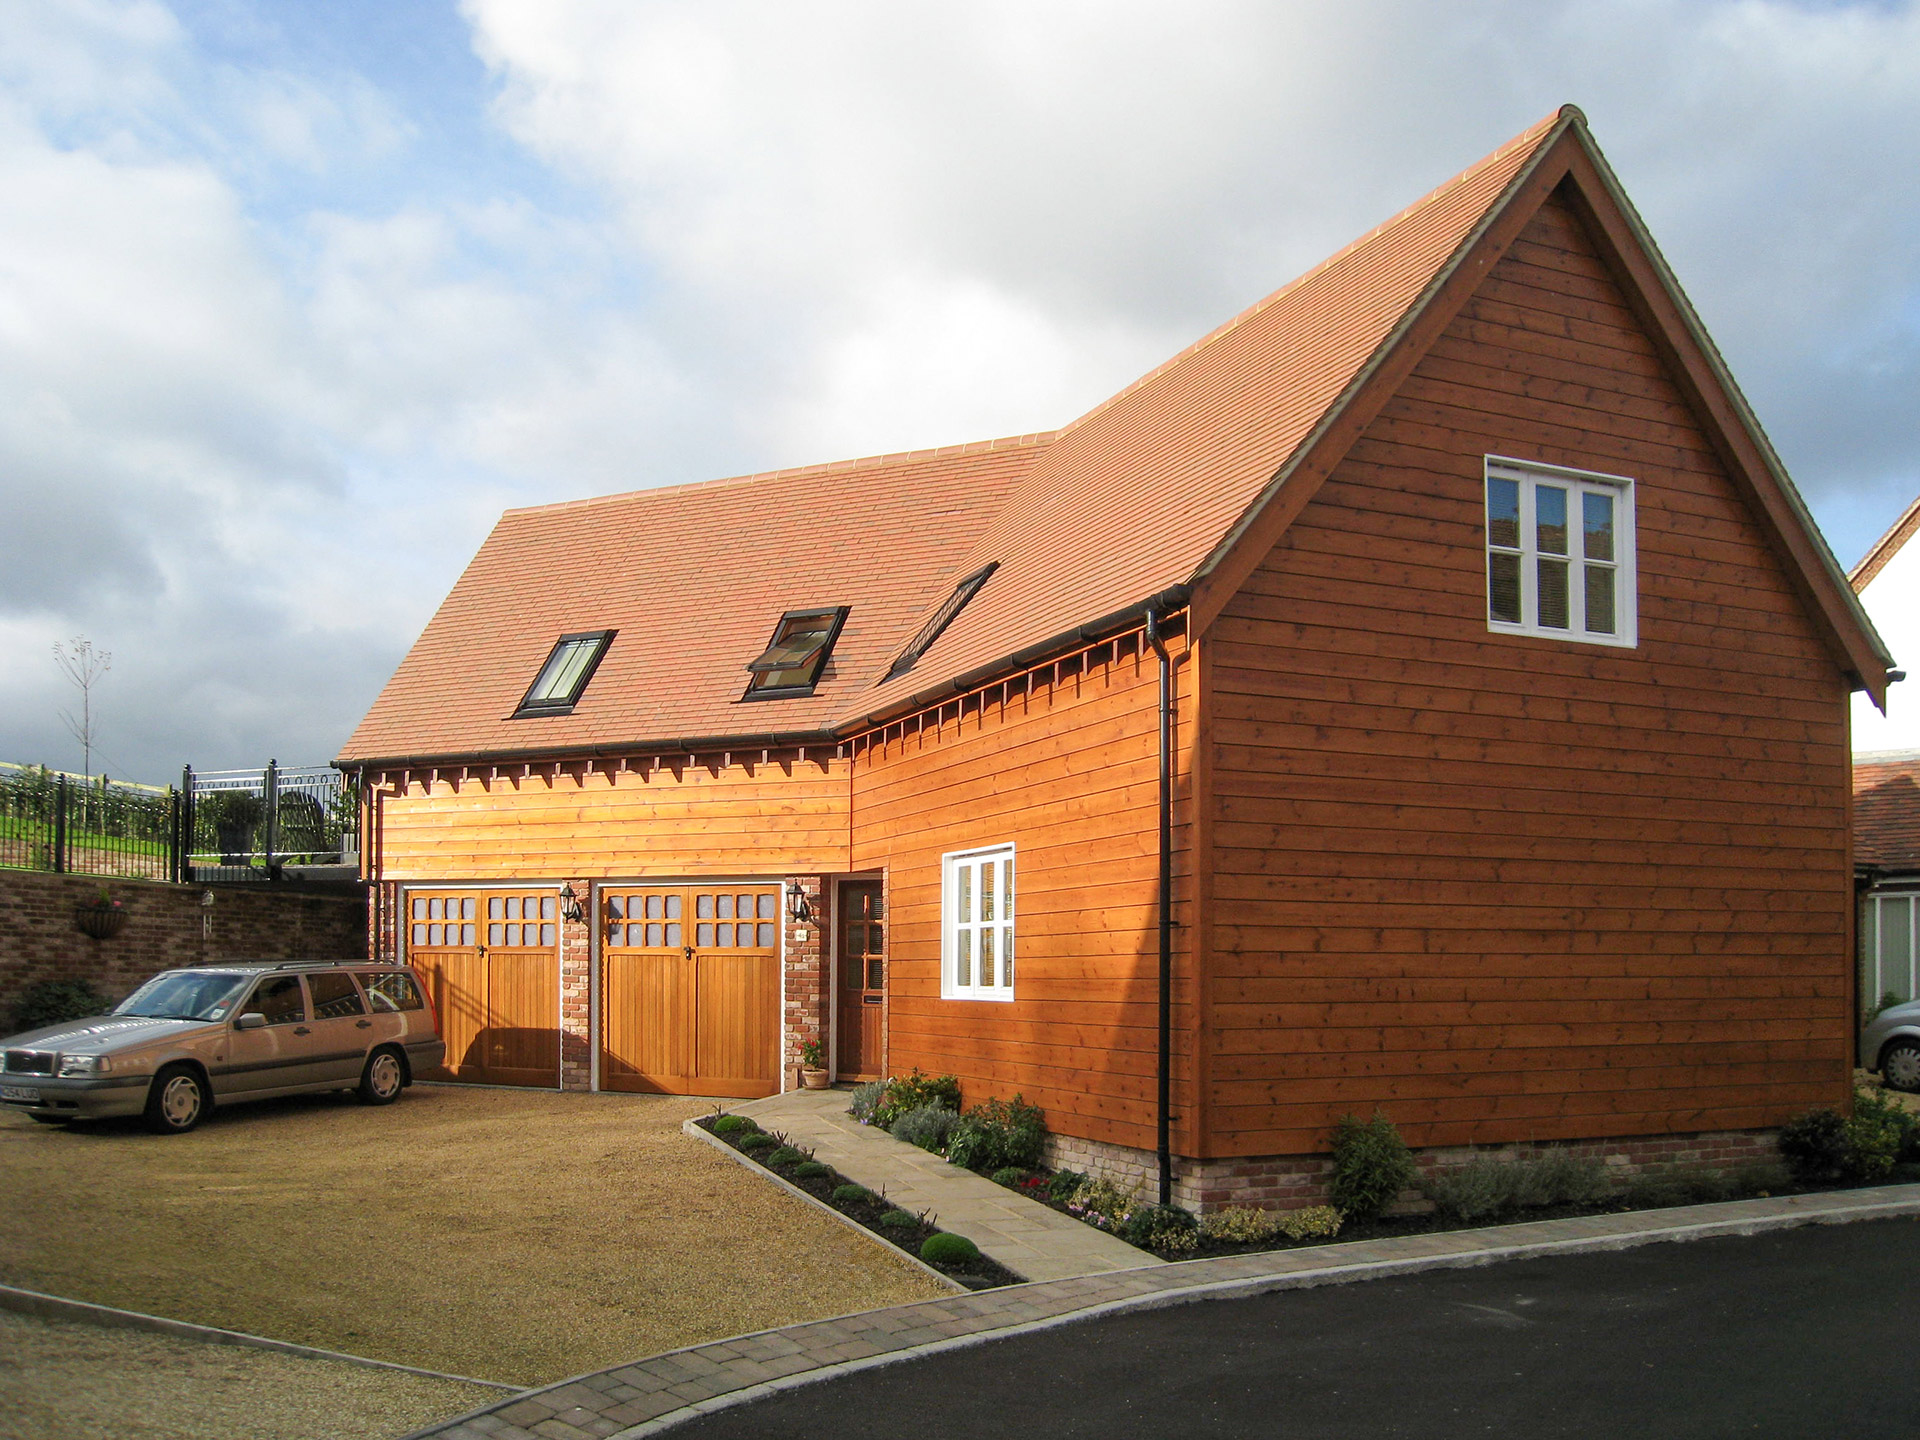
689 987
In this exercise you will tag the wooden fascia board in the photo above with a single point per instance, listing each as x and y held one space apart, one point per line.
1885 548
1234 560
1695 365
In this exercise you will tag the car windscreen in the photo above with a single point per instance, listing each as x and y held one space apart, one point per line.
185 995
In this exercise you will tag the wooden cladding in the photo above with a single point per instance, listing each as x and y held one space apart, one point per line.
494 981
690 990
741 817
1506 887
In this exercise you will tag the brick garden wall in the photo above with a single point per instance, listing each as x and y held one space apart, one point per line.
167 926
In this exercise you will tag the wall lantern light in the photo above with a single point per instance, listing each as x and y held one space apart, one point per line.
798 910
570 904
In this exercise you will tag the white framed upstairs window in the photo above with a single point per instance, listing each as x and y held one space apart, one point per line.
1560 554
976 924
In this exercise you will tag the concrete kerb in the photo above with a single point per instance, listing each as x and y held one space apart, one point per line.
56 1307
952 1286
1335 1274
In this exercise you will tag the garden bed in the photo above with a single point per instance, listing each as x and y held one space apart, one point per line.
872 1211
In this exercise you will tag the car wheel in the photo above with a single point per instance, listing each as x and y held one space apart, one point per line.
383 1079
1900 1066
177 1101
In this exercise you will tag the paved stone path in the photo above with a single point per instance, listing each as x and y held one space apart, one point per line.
1022 1234
661 1391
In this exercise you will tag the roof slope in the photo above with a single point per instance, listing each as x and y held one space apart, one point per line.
1886 811
1886 547
1171 483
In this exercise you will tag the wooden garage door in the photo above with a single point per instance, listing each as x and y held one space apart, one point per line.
491 959
690 990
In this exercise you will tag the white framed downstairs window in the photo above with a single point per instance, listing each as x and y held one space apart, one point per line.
1560 554
976 924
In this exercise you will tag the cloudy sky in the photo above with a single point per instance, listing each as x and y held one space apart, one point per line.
294 299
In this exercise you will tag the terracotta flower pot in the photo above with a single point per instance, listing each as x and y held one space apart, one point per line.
813 1079
102 922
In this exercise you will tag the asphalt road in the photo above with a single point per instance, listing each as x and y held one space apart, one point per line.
1803 1333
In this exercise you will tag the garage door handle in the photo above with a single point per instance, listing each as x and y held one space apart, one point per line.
301 1030
363 1024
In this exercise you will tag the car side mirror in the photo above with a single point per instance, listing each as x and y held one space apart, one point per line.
252 1020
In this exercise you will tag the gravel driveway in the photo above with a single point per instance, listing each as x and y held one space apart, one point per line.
510 1235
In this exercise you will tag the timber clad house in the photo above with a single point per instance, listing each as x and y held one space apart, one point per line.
1427 692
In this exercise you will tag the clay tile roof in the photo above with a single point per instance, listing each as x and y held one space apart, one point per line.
1886 810
1127 503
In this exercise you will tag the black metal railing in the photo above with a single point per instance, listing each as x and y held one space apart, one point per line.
268 824
88 825
224 825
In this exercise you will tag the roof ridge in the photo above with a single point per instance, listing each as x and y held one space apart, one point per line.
828 467
1529 136
1886 547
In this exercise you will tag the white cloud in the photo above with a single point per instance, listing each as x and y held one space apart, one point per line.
276 351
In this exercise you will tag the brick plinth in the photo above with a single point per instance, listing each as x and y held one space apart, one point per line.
1289 1182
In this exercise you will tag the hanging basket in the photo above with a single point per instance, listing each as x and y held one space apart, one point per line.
102 922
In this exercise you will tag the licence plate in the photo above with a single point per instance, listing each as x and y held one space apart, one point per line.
18 1092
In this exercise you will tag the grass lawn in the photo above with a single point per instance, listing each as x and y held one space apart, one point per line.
520 1236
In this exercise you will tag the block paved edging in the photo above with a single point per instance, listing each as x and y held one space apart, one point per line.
946 1282
663 1391
55 1307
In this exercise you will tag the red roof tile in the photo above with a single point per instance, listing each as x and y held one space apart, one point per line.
1886 811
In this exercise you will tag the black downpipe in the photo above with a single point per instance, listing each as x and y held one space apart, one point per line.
1166 907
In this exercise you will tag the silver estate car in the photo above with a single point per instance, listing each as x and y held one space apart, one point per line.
188 1039
1890 1043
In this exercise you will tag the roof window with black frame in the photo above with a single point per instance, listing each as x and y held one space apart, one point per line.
570 665
940 620
794 657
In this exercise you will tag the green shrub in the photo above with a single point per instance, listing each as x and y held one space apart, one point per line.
1879 1110
1659 1188
54 1002
912 1092
1240 1225
786 1155
1101 1202
1161 1227
733 1125
1008 1175
1316 1222
1814 1145
1761 1177
1064 1182
1887 1002
999 1133
1486 1185
851 1194
942 1248
865 1099
758 1140
811 1170
1371 1165
928 1126
900 1220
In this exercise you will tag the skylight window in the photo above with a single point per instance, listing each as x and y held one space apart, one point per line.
794 657
940 619
556 689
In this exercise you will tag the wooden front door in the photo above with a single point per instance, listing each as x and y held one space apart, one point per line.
863 980
491 961
690 990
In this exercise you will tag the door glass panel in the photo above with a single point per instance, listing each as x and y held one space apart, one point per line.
768 907
703 907
435 934
434 912
673 907
278 998
703 936
673 935
334 996
876 976
726 907
419 909
547 934
656 935
1896 948
766 940
419 934
549 907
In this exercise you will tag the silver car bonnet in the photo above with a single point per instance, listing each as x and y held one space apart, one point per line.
101 1034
